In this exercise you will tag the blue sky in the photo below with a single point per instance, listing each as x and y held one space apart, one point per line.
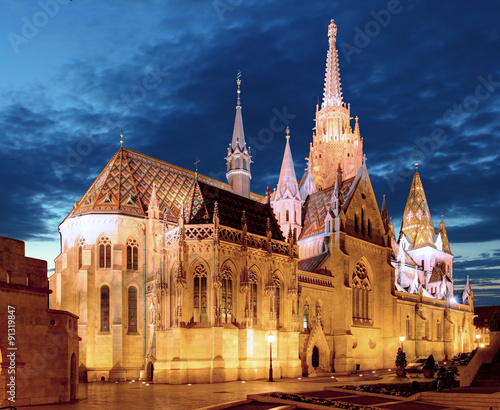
418 74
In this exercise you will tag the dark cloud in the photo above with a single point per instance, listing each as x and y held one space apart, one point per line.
402 82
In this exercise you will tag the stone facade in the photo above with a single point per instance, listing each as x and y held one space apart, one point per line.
39 361
179 278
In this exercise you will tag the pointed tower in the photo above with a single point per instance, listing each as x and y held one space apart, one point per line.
334 141
467 293
444 237
287 203
238 157
417 223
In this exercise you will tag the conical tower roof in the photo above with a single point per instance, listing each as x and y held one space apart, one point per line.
238 132
417 222
288 179
444 237
195 208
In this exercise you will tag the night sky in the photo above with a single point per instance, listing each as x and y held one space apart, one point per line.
418 74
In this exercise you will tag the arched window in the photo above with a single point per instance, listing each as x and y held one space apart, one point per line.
356 228
275 305
362 221
369 228
132 309
252 277
104 252
408 327
132 254
105 308
306 315
287 216
361 293
227 294
439 332
200 294
81 244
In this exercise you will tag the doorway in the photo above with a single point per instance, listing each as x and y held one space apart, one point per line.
150 371
315 357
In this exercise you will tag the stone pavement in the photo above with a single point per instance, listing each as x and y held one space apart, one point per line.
139 395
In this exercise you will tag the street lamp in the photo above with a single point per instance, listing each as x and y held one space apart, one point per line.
477 338
402 339
270 338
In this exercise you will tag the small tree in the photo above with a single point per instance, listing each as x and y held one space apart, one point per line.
401 359
495 322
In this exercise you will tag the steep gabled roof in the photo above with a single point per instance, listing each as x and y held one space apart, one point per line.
202 198
417 222
318 205
126 183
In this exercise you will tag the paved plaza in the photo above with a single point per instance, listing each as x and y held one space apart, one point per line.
140 395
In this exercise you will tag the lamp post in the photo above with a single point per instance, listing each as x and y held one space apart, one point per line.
402 339
270 338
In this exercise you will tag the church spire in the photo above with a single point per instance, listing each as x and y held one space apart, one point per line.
287 183
332 96
238 133
287 203
238 157
444 237
417 222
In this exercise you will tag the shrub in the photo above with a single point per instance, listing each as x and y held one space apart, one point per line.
401 359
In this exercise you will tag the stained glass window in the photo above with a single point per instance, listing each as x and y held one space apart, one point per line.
104 252
306 315
132 309
361 293
253 297
105 308
132 254
227 294
200 294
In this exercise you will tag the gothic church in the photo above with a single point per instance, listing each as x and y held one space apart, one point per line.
179 278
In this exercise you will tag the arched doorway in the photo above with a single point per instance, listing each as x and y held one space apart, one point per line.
315 357
150 371
73 376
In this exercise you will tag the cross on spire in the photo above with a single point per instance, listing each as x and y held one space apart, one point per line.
196 164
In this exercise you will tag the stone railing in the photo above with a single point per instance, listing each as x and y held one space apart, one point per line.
205 231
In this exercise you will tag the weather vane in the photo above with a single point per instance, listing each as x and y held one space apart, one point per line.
196 164
121 136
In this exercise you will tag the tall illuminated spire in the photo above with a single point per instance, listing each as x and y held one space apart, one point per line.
332 96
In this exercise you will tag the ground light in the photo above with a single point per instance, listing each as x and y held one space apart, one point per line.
270 338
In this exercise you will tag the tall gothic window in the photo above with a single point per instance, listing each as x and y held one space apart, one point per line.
105 308
361 293
369 228
200 294
252 276
104 252
356 228
132 254
287 216
439 330
362 221
276 302
408 327
132 309
227 294
306 315
81 244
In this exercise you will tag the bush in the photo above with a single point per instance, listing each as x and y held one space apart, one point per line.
415 386
401 359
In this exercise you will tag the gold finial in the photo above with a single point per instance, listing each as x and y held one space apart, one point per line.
442 214
415 155
287 132
121 136
238 80
196 172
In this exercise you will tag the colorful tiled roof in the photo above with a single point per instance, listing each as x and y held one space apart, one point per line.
126 183
444 238
417 222
317 206
200 204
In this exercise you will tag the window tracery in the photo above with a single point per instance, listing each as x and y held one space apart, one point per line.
104 252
